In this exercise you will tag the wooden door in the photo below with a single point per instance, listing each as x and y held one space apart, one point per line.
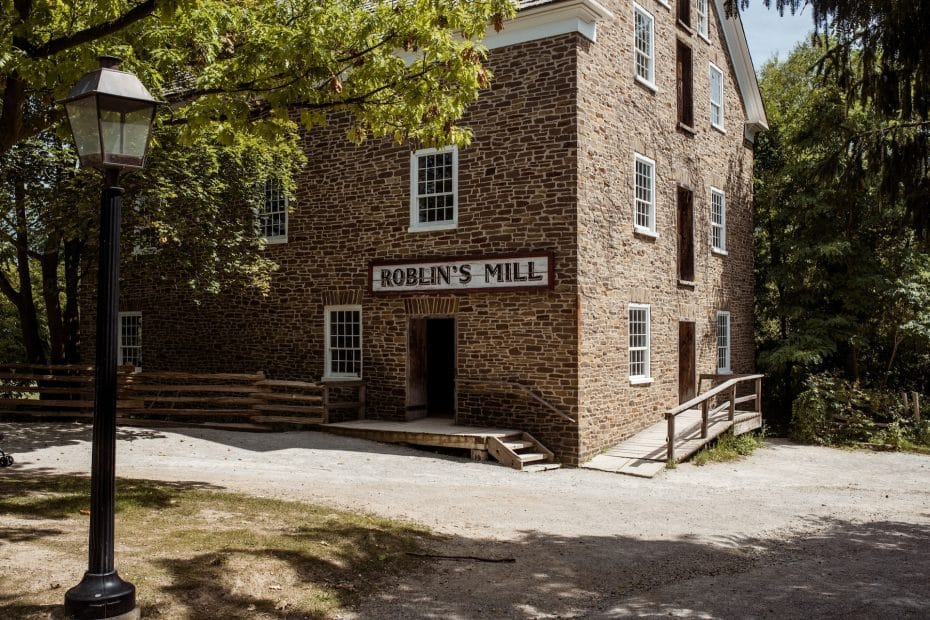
687 388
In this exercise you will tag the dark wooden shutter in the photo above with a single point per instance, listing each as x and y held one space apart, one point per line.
685 234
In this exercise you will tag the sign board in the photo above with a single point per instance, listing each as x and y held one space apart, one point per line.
462 274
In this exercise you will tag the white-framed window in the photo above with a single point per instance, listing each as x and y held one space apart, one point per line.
718 220
145 240
644 195
644 46
703 20
716 97
723 342
343 351
639 348
272 215
434 189
130 339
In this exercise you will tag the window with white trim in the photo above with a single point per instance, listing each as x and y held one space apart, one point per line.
703 22
272 216
644 199
716 97
644 45
639 326
723 342
343 351
130 339
718 220
434 189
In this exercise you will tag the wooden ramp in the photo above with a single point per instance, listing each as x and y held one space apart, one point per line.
511 447
647 453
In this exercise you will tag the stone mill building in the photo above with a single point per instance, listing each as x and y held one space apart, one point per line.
570 273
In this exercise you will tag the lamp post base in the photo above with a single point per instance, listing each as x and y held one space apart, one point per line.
100 596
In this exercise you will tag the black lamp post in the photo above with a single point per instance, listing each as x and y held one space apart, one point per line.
111 115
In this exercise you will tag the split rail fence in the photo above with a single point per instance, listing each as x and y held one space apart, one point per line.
50 392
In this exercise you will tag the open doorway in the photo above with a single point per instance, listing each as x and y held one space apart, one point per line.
431 367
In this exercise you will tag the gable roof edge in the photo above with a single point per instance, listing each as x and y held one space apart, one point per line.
738 47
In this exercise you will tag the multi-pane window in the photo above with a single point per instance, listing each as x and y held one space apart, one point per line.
723 342
272 217
718 220
130 338
343 342
716 97
145 240
644 203
639 342
434 188
703 22
644 45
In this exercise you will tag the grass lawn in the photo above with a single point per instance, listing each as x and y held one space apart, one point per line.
729 447
195 552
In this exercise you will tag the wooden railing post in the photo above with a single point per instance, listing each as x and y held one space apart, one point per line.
732 413
325 395
758 396
671 440
704 419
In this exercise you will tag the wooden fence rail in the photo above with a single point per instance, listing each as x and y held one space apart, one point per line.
162 396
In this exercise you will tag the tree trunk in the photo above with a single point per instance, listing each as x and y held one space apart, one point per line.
71 319
51 294
28 318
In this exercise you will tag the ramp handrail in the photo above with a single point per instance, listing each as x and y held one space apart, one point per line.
703 400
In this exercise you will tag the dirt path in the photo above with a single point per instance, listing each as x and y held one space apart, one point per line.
793 531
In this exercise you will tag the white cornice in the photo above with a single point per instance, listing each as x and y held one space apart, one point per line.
735 37
549 20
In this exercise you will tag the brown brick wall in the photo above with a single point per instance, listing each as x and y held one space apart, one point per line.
618 117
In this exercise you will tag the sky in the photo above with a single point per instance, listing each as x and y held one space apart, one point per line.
770 34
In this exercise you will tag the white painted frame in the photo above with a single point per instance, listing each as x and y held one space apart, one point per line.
648 56
723 340
264 211
716 98
646 376
121 359
650 228
415 224
702 10
718 225
328 373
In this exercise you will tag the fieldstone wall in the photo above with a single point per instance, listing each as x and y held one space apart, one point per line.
617 117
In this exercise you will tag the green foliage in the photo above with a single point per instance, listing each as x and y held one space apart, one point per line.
836 412
729 447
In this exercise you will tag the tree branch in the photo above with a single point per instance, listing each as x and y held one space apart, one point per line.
52 47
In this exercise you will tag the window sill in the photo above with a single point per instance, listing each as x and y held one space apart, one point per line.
275 240
719 252
641 380
687 283
686 129
326 379
724 371
665 3
647 85
719 128
686 27
423 229
645 233
704 36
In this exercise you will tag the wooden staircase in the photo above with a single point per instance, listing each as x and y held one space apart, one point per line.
521 451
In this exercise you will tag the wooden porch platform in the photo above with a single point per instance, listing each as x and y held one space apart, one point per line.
436 432
644 454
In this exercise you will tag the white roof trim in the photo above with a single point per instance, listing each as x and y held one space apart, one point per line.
735 37
549 20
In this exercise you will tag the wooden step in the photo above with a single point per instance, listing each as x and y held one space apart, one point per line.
510 450
531 457
518 445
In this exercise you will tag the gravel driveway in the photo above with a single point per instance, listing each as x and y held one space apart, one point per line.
793 531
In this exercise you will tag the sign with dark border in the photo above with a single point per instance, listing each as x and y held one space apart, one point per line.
463 274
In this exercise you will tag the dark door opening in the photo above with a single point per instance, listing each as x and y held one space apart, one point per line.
431 368
686 362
